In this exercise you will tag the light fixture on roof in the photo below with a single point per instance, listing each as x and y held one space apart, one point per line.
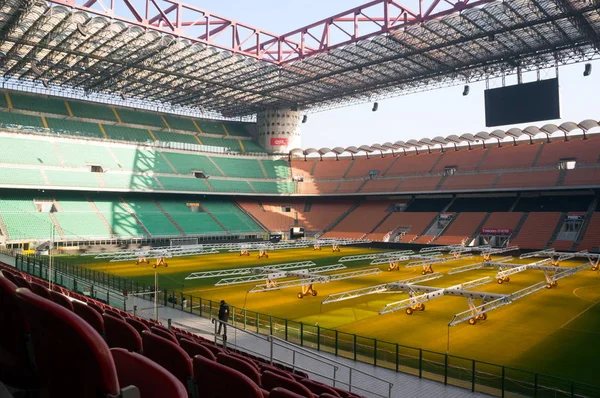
81 29
123 97
375 106
45 83
466 90
588 70
35 69
304 118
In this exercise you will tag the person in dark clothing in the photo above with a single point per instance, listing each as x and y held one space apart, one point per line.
223 317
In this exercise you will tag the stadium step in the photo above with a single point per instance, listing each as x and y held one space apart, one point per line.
57 226
481 224
586 223
482 159
441 232
307 205
166 213
380 222
440 183
362 185
556 231
168 162
130 211
215 219
250 216
216 165
537 155
262 167
58 154
520 224
496 180
561 178
347 170
438 160
384 174
100 216
427 228
342 216
3 229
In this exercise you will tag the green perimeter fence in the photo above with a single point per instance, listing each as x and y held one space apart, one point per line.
488 378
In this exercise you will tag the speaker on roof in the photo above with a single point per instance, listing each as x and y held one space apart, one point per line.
466 90
35 69
375 107
304 118
45 83
588 70
81 29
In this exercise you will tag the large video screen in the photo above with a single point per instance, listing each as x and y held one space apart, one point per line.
522 103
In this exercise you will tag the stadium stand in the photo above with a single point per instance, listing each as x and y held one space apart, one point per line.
406 226
468 182
547 178
461 160
358 223
463 227
230 216
125 133
520 157
380 185
361 166
133 116
75 128
330 168
155 221
537 230
419 184
38 103
413 164
591 238
241 168
485 203
88 110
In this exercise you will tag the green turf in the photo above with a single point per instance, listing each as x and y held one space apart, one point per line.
553 331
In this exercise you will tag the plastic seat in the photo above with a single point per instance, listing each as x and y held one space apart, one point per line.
10 276
99 309
91 316
194 349
241 366
164 334
61 300
114 314
271 380
170 356
264 367
213 348
137 325
119 334
279 392
22 282
151 379
41 291
246 359
319 388
214 380
15 368
64 345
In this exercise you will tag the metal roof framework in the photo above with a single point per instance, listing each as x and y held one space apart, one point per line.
167 51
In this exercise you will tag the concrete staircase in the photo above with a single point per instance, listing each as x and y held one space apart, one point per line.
517 229
342 216
57 226
132 213
556 231
166 213
100 216
586 223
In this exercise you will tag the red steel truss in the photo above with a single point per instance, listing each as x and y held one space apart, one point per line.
197 25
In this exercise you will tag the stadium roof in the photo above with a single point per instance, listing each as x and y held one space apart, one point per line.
166 51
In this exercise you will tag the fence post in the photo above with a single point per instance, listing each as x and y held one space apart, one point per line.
445 369
336 343
503 370
374 352
271 325
397 357
535 384
420 363
473 378
301 334
354 348
257 323
318 338
286 329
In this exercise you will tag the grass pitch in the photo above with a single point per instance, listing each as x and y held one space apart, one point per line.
555 331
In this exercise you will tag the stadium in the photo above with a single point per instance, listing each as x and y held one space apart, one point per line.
152 167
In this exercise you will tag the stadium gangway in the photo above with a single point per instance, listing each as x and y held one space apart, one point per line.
417 298
471 267
383 288
375 256
244 271
474 313
307 282
274 273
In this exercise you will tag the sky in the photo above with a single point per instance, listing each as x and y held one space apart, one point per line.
415 116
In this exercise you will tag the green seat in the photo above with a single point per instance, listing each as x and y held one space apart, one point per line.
133 116
183 184
74 128
27 225
230 186
230 216
181 123
193 223
89 110
10 176
141 160
167 136
208 127
82 225
155 221
239 167
237 129
81 155
74 179
124 133
185 163
25 151
117 216
12 118
272 187
251 146
276 169
39 103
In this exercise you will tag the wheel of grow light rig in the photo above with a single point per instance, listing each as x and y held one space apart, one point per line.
300 295
472 321
409 311
314 293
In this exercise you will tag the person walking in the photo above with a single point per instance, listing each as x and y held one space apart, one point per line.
223 317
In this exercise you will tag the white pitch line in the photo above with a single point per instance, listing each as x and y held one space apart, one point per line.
578 315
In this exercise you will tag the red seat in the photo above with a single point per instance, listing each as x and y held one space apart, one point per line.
40 290
22 282
246 359
214 380
170 356
241 366
63 346
279 392
194 349
264 367
10 276
91 316
137 325
319 388
61 299
213 348
99 309
15 368
271 380
152 380
120 334
164 334
114 313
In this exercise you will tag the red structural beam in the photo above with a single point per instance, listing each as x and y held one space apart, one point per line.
182 20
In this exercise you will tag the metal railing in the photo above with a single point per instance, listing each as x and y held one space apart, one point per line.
492 379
